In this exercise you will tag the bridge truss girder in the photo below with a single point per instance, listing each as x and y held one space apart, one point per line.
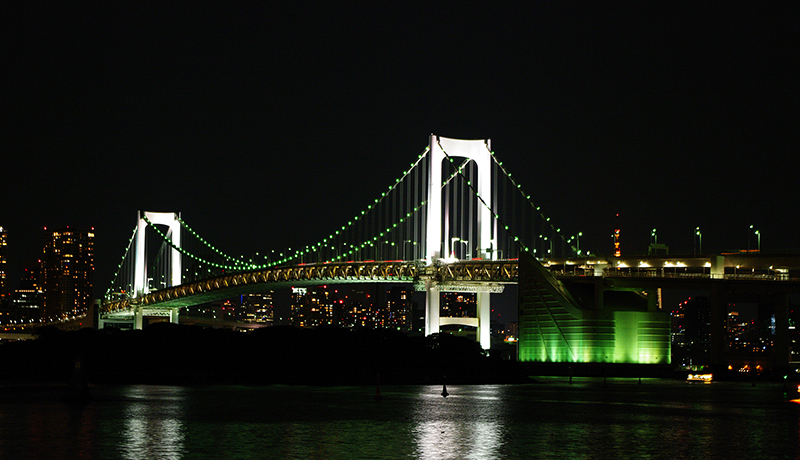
475 276
225 286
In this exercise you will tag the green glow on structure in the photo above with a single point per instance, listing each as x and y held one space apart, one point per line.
554 327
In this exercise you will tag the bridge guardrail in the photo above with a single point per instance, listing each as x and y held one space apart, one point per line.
610 273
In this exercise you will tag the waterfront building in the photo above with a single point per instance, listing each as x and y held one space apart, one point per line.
66 273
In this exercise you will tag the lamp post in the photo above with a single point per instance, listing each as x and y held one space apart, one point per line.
655 236
758 234
466 243
577 239
699 235
413 243
550 250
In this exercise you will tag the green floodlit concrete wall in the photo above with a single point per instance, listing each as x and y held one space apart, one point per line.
554 328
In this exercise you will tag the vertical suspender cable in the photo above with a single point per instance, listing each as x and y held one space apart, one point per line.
493 204
446 233
471 237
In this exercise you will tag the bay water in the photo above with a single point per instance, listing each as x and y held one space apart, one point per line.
590 418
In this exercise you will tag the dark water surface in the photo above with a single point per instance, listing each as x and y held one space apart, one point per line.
551 419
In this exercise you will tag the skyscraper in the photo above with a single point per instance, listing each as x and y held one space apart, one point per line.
67 273
398 311
311 306
3 286
25 302
259 307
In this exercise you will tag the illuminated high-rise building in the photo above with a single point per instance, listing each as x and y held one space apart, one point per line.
258 308
390 309
399 307
3 286
66 273
312 307
459 304
25 303
356 309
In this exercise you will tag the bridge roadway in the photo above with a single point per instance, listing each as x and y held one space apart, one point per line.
682 272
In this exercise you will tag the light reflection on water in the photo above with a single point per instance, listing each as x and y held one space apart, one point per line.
549 420
153 421
467 424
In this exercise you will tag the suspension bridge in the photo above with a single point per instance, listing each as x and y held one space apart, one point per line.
455 221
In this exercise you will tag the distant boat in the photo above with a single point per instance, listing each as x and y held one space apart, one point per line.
444 391
702 378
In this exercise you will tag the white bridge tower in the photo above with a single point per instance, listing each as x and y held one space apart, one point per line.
438 248
141 286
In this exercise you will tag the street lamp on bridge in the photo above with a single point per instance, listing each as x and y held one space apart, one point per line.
758 235
699 236
466 243
550 249
577 239
413 252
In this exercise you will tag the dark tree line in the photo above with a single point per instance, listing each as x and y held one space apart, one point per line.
166 353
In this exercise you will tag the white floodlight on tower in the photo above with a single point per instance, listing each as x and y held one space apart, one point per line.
170 219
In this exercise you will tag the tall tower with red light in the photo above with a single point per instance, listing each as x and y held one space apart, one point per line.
617 252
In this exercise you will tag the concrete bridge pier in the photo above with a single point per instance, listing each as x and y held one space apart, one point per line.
140 313
432 296
484 317
138 318
433 321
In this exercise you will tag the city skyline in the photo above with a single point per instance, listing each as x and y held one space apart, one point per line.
267 126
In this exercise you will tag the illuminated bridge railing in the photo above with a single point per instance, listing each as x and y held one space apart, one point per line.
500 271
726 276
477 271
471 275
351 272
613 273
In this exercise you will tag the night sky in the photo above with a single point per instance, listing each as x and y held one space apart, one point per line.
268 126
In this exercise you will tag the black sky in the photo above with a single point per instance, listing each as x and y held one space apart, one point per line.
269 125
